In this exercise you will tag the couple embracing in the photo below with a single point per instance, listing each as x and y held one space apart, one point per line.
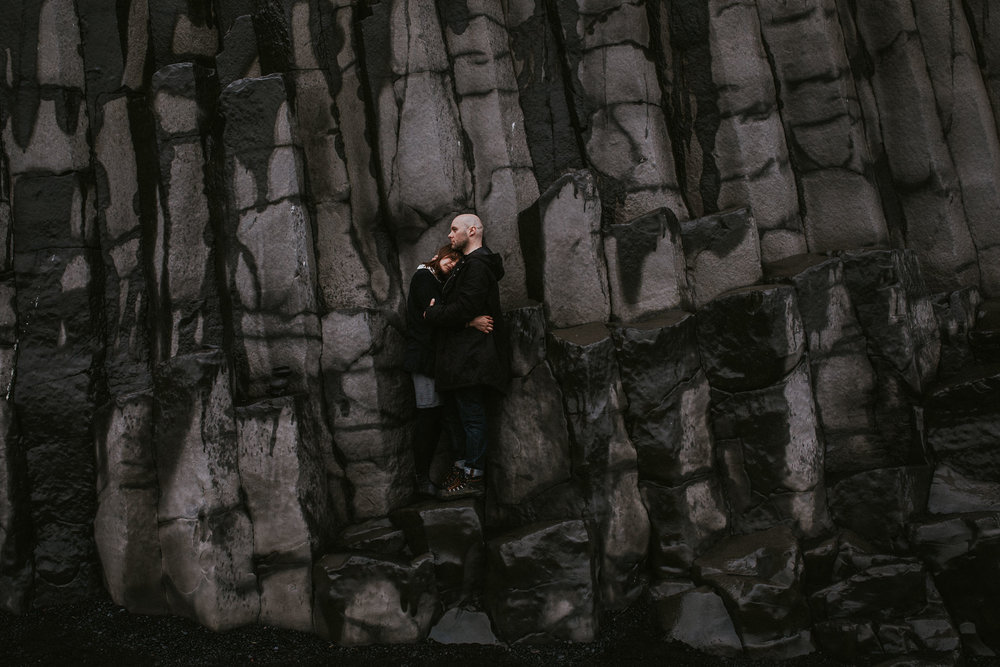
457 356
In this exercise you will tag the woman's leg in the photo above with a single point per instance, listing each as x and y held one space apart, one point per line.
427 431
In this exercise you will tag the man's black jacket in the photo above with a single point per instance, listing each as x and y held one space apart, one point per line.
466 356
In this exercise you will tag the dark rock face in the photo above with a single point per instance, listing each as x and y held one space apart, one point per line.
540 584
751 295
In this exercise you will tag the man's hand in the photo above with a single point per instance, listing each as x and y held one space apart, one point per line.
484 323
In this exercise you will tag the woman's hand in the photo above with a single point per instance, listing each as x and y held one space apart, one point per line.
484 323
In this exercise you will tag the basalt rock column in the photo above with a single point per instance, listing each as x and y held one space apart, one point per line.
984 24
126 523
889 298
371 599
841 205
283 478
604 458
491 117
646 267
737 154
960 551
333 126
969 126
923 173
418 126
752 346
721 253
884 607
575 283
368 400
56 272
622 119
123 189
540 583
668 420
962 430
16 571
548 121
843 379
187 314
763 594
270 261
531 457
205 534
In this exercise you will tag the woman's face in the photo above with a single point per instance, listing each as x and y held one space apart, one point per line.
447 264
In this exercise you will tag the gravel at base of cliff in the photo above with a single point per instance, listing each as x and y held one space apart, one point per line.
101 633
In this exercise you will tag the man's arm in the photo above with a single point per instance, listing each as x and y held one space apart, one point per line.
467 303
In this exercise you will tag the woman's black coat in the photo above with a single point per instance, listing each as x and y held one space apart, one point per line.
420 335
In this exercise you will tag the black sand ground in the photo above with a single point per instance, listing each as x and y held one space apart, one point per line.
101 633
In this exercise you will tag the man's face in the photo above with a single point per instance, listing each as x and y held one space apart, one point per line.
458 236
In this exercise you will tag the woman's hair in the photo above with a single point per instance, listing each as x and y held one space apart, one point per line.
443 251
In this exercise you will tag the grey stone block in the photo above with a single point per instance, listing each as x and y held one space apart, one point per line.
526 330
878 504
772 455
179 33
697 617
922 168
889 609
208 567
685 521
492 119
460 626
750 338
754 168
673 441
418 128
453 533
379 536
623 122
722 252
364 599
186 294
282 469
195 437
582 360
125 524
646 266
655 356
540 584
575 275
368 398
969 125
842 206
895 313
532 451
763 594
962 417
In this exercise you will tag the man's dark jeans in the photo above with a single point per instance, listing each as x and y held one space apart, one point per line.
465 416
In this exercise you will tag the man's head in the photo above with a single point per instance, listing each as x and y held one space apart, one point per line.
466 233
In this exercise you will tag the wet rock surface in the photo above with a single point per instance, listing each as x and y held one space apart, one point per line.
750 291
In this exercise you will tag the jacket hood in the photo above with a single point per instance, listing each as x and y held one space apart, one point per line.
492 260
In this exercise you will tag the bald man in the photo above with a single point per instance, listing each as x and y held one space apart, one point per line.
470 364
